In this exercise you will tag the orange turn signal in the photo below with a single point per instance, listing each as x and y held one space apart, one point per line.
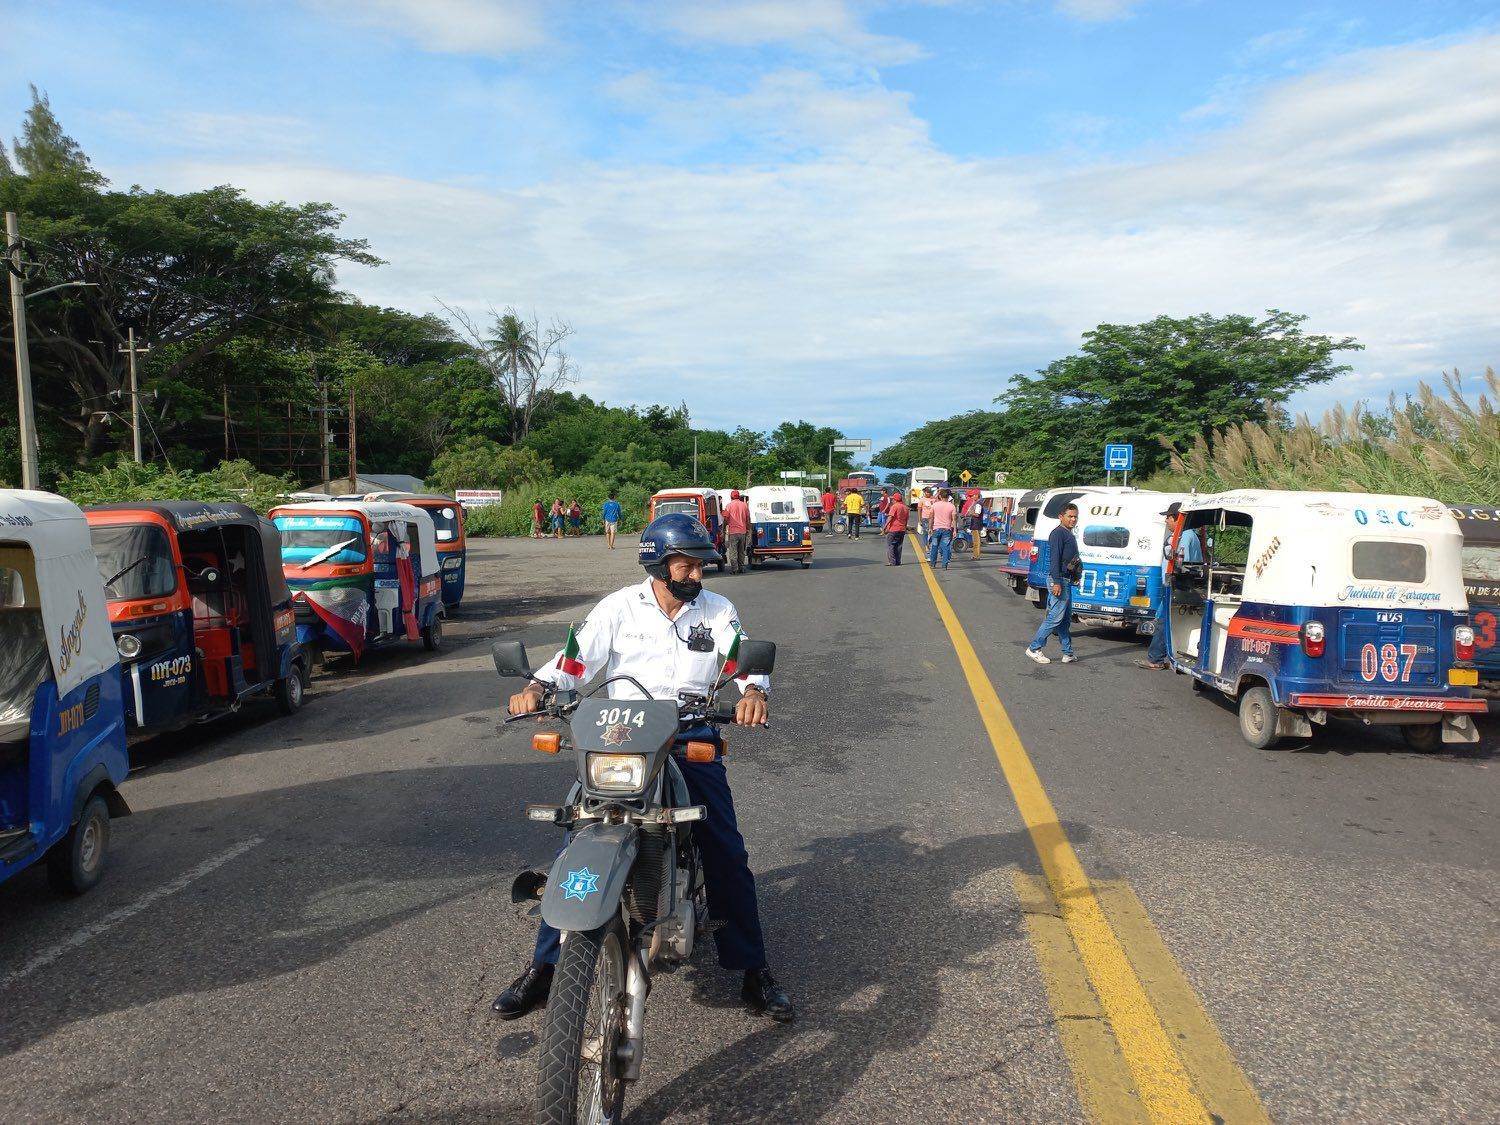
696 751
547 741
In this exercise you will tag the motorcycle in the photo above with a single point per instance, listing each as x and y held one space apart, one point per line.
627 891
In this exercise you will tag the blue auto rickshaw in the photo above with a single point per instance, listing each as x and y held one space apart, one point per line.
1481 563
364 574
62 724
448 529
201 611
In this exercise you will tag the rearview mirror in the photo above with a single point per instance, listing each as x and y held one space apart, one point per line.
755 658
510 658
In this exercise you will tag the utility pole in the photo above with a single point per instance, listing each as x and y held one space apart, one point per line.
226 419
353 447
324 437
135 398
695 458
25 417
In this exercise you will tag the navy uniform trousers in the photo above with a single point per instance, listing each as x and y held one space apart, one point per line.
726 870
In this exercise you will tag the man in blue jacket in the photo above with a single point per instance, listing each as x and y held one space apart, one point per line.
1063 569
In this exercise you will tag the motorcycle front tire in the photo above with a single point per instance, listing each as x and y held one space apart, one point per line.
567 1024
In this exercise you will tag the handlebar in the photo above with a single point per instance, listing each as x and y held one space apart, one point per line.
718 716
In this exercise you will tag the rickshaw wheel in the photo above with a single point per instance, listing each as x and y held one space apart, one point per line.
1259 717
290 691
806 563
76 862
432 635
1425 738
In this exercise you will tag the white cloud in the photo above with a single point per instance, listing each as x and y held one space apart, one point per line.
857 274
825 25
464 27
1097 11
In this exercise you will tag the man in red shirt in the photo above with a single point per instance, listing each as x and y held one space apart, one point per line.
897 515
830 510
737 532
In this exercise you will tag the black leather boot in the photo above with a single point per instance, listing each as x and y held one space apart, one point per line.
526 993
763 996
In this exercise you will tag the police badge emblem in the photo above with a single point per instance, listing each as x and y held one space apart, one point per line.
616 735
700 639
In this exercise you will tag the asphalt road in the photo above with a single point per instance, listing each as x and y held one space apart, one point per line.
306 919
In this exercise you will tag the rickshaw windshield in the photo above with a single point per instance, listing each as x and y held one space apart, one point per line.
676 507
445 523
24 663
1482 562
305 538
135 561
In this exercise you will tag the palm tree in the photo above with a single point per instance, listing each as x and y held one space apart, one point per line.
515 347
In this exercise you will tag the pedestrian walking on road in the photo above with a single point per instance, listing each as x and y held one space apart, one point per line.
924 515
830 511
575 519
611 514
897 515
944 517
883 507
854 513
558 513
538 518
1064 567
737 532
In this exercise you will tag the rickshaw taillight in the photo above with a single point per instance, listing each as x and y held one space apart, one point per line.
1313 638
1463 643
1035 551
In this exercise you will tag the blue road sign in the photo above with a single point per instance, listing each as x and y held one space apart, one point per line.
1119 458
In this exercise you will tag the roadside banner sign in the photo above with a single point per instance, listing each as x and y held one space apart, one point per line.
796 474
1119 458
854 445
479 497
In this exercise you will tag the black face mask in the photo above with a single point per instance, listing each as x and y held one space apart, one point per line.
684 591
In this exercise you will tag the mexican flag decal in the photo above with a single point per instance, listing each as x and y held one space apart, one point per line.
731 659
567 661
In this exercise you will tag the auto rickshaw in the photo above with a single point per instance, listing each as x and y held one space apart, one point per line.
364 574
1481 562
778 524
814 501
1313 604
62 725
201 612
1020 537
452 543
700 503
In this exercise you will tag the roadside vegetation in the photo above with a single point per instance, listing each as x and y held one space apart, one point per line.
1444 445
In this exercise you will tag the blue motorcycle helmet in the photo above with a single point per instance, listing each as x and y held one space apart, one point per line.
675 534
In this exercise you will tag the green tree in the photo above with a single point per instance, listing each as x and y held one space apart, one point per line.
965 441
43 149
481 463
1167 382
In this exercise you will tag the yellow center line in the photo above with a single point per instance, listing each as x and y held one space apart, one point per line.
1165 1089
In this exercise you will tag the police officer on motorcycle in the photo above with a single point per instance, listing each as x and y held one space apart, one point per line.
659 632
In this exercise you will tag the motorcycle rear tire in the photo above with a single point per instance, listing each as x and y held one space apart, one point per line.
565 1027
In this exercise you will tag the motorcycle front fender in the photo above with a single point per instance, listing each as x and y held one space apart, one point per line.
587 879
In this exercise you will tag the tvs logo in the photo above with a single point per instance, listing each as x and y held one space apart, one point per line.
616 735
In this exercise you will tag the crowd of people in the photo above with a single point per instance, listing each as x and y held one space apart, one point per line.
940 516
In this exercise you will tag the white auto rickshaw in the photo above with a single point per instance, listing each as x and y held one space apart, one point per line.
1121 542
1312 604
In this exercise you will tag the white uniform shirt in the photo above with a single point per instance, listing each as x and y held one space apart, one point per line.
628 634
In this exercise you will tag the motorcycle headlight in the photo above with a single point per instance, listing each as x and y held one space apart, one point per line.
620 773
129 646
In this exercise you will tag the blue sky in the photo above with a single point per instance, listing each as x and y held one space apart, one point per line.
866 214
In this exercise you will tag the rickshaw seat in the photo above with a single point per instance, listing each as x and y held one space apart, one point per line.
24 665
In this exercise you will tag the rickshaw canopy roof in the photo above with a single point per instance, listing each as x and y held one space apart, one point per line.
195 515
80 643
761 496
1302 546
379 511
1479 523
686 490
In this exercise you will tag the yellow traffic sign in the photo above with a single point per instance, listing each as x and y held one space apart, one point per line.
966 476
